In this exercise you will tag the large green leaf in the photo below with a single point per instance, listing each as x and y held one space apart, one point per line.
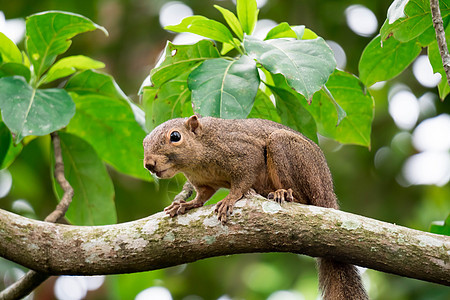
69 65
93 200
205 27
49 34
93 82
27 111
263 108
383 62
179 59
9 51
232 21
247 12
306 64
12 68
8 151
170 100
351 95
291 108
224 88
413 22
108 124
436 62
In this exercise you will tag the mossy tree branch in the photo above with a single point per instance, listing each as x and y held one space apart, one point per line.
257 225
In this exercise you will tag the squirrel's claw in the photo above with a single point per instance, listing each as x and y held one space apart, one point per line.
223 209
176 208
281 195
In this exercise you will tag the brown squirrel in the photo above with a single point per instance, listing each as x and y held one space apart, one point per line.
272 159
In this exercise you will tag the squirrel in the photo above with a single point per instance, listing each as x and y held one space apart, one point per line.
275 161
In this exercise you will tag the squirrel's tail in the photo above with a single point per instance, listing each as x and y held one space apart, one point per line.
340 281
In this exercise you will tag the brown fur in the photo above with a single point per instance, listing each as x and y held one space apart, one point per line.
262 155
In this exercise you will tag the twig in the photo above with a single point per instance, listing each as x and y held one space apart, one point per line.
66 199
440 36
32 279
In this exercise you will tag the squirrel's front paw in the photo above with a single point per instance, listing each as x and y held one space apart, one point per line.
281 195
223 209
176 208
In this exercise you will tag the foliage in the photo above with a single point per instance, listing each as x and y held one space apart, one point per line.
362 186
295 64
97 134
408 28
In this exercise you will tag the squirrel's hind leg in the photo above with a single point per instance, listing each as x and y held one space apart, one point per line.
295 162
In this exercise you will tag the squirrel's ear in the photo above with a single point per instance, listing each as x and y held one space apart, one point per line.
193 124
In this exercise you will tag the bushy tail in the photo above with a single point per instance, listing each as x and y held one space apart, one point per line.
339 281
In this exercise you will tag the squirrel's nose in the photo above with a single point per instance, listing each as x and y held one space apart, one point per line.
150 164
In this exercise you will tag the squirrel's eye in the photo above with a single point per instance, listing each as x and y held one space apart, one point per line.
175 136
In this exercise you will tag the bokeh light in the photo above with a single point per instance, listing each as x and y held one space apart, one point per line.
173 12
429 167
433 134
14 29
361 20
339 54
262 27
286 295
5 182
404 109
76 287
155 292
423 71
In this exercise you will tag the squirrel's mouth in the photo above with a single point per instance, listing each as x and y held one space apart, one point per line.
161 173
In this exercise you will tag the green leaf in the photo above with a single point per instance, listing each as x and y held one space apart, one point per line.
8 151
226 48
441 227
92 82
436 62
291 108
306 64
69 65
93 200
224 88
351 95
180 58
170 100
12 68
340 112
247 12
232 21
27 111
415 20
49 34
383 62
263 108
108 124
309 34
9 51
205 27
282 30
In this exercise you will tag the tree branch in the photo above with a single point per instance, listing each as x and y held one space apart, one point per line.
31 279
440 36
257 225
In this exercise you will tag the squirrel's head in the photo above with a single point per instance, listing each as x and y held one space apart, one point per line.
172 147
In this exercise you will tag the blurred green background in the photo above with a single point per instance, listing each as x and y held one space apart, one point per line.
368 182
